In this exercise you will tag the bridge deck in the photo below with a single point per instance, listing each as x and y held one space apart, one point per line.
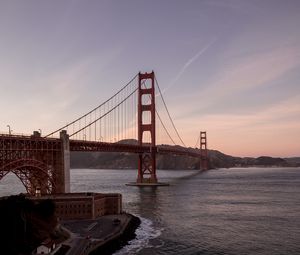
21 143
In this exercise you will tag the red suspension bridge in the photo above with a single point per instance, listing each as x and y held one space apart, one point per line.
132 114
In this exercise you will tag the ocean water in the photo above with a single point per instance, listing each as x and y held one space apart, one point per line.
226 211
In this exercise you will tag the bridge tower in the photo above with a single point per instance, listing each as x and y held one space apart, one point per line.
203 151
64 183
147 161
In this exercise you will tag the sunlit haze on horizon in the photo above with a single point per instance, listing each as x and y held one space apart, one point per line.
230 68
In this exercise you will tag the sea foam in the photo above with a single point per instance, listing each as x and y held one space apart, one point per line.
144 233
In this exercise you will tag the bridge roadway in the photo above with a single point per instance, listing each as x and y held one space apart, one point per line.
13 143
44 163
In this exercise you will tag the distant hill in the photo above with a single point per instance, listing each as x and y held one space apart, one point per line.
217 159
295 161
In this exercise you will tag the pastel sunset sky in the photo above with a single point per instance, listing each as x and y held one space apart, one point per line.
230 67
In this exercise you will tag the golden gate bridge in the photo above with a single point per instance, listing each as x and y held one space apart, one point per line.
132 114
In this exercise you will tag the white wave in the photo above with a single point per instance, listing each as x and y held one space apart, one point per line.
144 233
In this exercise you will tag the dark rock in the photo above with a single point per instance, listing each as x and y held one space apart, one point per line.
24 224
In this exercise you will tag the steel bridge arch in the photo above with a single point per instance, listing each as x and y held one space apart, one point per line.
32 173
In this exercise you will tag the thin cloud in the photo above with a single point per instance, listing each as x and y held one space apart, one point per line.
269 118
255 72
271 127
188 63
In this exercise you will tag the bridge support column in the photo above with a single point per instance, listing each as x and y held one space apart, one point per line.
147 161
65 150
203 151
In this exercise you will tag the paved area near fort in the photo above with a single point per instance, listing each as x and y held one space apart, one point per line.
86 233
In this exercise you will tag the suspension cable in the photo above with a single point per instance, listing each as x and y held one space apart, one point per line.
143 84
105 113
169 113
197 142
83 116
165 127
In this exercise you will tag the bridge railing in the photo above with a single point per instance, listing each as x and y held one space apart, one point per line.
14 134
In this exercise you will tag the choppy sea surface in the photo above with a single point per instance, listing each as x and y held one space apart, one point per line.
227 211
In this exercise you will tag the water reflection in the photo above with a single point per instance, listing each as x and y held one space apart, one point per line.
148 202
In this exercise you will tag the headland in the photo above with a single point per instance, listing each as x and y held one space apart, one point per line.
65 224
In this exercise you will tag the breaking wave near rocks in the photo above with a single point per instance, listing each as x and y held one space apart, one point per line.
144 234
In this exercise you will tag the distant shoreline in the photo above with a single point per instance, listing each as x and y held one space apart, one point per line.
217 159
135 169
